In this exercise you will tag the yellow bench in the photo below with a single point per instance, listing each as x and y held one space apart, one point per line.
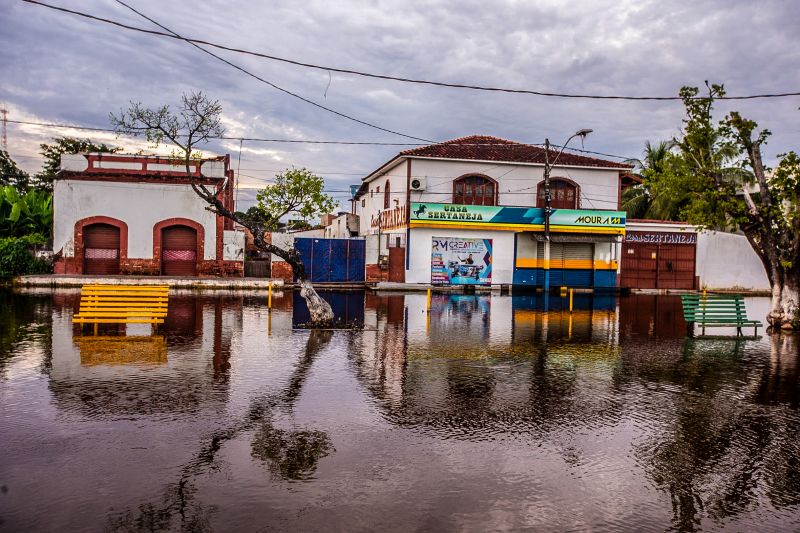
123 304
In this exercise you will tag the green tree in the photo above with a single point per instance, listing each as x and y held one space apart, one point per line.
11 174
296 191
64 145
720 171
648 200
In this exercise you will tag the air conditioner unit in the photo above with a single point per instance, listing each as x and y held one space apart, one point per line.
418 184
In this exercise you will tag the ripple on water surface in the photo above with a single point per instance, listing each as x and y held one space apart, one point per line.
488 413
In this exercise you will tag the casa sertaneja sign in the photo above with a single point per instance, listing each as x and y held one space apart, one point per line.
516 218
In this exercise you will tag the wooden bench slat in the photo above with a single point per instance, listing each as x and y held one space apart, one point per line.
717 310
123 304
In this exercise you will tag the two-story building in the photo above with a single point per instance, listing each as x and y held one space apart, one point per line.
471 211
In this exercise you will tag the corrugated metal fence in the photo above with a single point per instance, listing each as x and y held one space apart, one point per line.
332 260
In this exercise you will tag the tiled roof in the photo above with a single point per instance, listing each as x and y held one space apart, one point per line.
488 148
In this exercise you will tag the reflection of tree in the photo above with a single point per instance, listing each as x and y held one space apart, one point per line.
22 318
720 453
290 455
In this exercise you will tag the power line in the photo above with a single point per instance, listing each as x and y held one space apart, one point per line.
224 137
388 77
267 82
301 141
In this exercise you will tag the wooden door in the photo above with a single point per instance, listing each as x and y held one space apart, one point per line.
100 249
397 265
178 251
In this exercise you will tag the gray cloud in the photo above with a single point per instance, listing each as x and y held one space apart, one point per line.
62 68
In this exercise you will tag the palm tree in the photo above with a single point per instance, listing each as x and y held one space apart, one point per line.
642 201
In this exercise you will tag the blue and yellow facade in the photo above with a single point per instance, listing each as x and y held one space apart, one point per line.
584 244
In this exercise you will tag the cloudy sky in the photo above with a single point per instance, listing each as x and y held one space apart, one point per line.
60 68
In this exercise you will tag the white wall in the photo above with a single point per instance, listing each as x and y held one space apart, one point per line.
517 184
727 261
419 250
233 245
373 199
139 205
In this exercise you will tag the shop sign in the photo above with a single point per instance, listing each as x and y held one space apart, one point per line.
457 261
389 218
661 237
505 217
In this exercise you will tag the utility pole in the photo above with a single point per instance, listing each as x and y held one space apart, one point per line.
4 140
547 199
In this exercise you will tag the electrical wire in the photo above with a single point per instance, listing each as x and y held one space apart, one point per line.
301 141
395 78
267 82
224 137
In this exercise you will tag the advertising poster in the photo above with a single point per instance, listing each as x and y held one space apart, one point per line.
457 261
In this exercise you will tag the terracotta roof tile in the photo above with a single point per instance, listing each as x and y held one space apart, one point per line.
488 148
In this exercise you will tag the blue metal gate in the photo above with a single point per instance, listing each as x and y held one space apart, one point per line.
332 260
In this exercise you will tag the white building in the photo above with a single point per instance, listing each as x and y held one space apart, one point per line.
471 211
133 214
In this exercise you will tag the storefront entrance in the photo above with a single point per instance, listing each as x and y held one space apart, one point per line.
653 260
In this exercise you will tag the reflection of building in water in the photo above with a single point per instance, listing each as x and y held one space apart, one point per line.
182 369
480 364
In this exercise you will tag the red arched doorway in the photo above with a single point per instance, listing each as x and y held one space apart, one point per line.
179 251
101 249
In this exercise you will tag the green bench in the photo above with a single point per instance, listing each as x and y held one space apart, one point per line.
716 311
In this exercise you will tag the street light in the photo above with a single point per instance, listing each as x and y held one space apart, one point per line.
582 133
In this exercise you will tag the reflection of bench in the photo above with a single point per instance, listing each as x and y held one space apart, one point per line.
715 311
123 304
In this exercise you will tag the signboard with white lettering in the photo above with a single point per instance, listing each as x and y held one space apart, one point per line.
653 237
517 218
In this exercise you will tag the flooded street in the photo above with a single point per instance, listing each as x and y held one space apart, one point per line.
487 414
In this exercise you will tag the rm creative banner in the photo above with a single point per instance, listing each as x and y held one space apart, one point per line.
517 218
456 261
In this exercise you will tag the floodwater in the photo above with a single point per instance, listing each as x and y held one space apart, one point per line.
486 414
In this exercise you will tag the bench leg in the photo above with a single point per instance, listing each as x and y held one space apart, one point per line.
738 331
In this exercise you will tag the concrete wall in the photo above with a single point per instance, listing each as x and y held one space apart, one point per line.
727 261
139 205
233 246
419 250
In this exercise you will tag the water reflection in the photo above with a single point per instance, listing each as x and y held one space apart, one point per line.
485 413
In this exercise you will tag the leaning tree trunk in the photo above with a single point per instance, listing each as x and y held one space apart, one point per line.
319 310
785 309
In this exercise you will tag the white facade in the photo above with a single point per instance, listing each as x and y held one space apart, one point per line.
139 205
517 185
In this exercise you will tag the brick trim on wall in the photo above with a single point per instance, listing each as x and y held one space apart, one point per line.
77 253
201 238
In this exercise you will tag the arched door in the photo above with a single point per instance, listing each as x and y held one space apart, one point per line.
100 249
178 251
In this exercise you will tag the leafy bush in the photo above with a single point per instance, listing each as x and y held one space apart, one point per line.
16 256
25 214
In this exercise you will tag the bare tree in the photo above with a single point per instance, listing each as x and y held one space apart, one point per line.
195 122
